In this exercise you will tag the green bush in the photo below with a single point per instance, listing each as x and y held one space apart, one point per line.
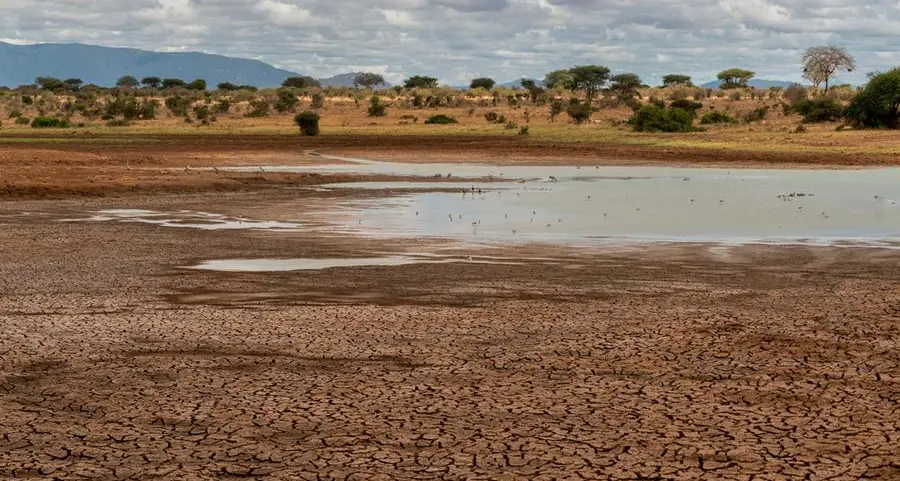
494 118
377 108
877 105
318 101
178 105
580 112
524 131
756 115
717 117
22 120
259 108
308 123
440 119
44 122
687 105
287 100
652 118
819 110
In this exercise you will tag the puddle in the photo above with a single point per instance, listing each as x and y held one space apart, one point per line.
304 264
186 219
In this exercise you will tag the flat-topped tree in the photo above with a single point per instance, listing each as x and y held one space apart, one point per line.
198 84
676 79
735 78
127 81
482 83
589 78
822 63
151 82
73 84
534 90
52 84
625 85
420 81
368 80
171 83
300 82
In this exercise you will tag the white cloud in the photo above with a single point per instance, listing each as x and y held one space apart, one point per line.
456 39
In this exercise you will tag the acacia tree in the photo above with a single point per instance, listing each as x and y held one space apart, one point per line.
590 78
735 78
300 82
558 78
482 82
151 82
419 81
73 83
368 80
676 79
821 63
127 81
625 85
533 89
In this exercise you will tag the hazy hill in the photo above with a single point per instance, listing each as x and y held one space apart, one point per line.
20 64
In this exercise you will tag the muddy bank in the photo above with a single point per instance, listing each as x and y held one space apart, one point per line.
37 166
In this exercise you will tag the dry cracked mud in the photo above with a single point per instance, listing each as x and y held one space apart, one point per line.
664 362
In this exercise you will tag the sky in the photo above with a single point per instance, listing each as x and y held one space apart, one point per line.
457 40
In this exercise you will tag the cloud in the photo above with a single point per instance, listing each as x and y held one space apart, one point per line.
457 39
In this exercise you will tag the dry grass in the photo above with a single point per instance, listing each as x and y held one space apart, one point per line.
341 116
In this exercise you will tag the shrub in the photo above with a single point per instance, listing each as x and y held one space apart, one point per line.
511 126
178 105
22 120
819 110
44 122
717 117
580 112
15 114
524 131
756 115
222 107
556 107
318 101
440 119
118 123
287 100
794 94
259 108
308 123
689 106
652 118
494 118
377 108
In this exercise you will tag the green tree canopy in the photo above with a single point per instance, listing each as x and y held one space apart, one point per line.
482 82
227 86
52 84
127 81
368 80
300 82
676 79
590 79
420 81
170 83
558 78
625 85
735 78
198 84
877 105
73 83
151 82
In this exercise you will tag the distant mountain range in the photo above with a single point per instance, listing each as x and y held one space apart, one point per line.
20 64
757 83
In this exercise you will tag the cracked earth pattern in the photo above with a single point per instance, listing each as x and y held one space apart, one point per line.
765 363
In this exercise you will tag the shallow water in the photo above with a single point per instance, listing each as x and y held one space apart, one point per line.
303 264
592 205
616 204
